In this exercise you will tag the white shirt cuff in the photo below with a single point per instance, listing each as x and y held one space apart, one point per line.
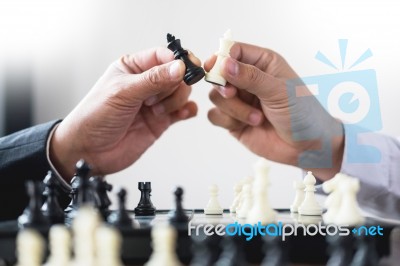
64 185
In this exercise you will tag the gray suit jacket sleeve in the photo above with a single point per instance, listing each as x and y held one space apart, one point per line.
380 180
22 157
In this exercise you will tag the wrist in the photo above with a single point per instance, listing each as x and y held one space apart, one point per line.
331 160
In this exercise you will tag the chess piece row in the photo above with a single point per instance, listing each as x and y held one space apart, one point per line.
92 191
85 190
94 244
341 203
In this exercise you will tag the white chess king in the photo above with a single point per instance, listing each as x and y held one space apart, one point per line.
225 44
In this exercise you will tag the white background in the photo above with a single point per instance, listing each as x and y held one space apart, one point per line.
71 43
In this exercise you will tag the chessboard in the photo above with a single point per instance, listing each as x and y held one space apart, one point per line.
298 250
87 232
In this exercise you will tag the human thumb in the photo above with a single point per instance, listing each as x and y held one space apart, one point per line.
157 79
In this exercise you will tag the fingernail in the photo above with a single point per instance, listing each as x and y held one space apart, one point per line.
232 66
255 118
158 109
222 90
185 113
150 101
175 71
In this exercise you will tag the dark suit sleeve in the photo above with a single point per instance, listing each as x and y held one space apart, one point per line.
22 157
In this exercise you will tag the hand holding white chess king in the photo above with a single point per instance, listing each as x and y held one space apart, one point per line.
256 108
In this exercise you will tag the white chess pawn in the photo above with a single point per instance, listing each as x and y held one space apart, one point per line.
213 206
349 212
30 248
84 227
310 205
249 180
108 246
238 189
60 246
299 198
163 242
247 202
332 202
225 44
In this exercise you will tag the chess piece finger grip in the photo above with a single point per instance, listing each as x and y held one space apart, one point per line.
193 73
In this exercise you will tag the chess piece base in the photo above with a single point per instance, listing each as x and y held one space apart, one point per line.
145 211
213 211
193 76
215 79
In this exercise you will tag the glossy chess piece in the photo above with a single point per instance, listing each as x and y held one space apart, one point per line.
193 73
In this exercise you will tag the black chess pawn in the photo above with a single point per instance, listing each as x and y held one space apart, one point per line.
73 194
193 73
81 190
178 215
275 252
366 254
32 215
394 257
85 191
145 206
233 252
101 199
51 207
340 249
121 218
206 250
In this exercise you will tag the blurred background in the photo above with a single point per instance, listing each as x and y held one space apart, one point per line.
52 52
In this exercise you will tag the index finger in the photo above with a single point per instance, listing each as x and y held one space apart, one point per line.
248 54
144 60
252 54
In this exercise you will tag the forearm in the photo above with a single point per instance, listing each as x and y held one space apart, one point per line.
380 179
22 158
